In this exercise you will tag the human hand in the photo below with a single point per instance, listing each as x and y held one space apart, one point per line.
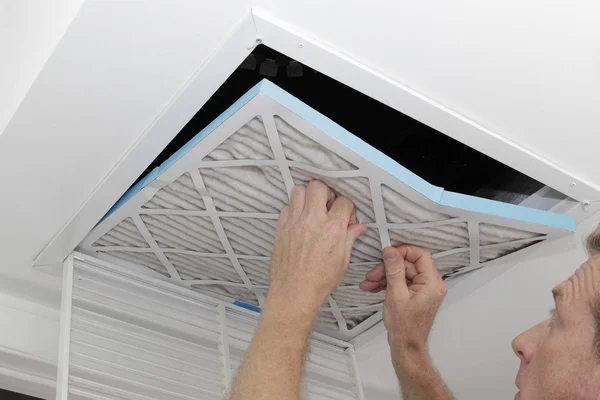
315 235
415 291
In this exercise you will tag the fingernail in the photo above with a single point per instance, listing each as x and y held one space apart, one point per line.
389 254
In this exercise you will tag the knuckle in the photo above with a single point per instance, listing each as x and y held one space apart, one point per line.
333 226
298 189
315 183
345 202
444 289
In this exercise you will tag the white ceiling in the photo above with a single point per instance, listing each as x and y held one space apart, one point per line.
530 72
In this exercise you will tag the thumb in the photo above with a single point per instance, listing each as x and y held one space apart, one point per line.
354 232
395 272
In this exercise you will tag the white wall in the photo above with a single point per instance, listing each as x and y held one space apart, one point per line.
470 343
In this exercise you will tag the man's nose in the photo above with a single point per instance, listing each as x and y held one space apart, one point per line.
525 344
519 347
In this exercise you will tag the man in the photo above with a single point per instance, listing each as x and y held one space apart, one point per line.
560 358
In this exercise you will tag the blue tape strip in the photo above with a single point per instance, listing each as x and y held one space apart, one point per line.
247 306
434 193
133 190
491 207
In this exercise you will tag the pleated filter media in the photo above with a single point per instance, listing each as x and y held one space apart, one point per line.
205 219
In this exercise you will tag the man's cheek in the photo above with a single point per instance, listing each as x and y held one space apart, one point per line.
544 376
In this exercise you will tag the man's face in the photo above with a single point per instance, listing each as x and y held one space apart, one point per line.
558 356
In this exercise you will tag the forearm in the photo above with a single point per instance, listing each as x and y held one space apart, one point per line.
418 378
272 368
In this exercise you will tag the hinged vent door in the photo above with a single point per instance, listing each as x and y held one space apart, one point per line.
128 336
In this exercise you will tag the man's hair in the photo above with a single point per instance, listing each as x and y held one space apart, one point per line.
592 243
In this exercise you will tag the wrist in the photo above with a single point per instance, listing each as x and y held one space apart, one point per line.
407 350
296 300
301 310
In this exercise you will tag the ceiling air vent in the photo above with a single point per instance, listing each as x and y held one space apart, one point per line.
204 217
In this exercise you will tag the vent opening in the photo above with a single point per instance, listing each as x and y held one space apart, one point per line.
432 155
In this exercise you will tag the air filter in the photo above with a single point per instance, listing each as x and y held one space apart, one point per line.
205 219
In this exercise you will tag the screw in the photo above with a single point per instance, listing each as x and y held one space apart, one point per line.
573 184
258 40
300 45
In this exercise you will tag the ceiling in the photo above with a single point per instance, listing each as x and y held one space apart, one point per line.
529 72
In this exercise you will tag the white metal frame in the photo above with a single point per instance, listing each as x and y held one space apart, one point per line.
62 380
222 311
259 27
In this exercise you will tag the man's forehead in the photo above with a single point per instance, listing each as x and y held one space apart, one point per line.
592 264
594 261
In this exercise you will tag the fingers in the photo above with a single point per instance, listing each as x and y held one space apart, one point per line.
284 215
395 273
343 208
352 217
330 199
373 287
367 286
298 198
378 272
422 260
318 195
354 232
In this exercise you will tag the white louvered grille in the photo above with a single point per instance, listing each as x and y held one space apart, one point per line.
129 336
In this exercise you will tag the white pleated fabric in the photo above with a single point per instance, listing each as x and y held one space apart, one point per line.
183 232
300 148
125 234
249 189
250 142
210 268
179 195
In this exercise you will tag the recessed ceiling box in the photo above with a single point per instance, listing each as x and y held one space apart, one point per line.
205 218
202 215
